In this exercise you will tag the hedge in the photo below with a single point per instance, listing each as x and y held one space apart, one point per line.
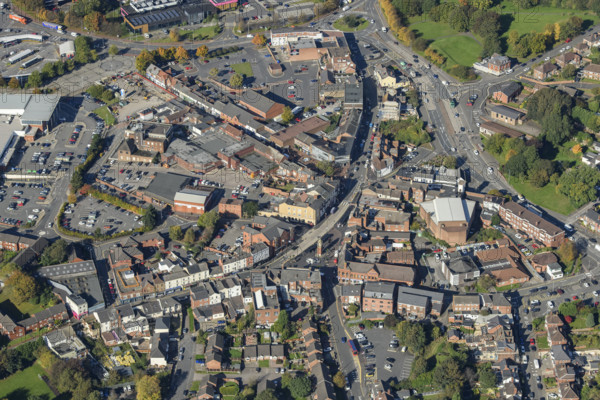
229 389
115 201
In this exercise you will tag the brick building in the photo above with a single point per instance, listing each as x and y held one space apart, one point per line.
449 219
379 297
231 207
520 218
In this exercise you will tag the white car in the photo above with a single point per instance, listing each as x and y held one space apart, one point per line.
476 152
595 293
550 304
586 284
490 170
388 367
547 59
327 349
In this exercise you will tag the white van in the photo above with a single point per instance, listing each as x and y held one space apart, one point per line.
74 34
536 363
147 35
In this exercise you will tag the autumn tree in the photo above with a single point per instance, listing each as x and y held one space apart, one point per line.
567 252
338 380
213 72
287 115
143 60
236 81
22 287
113 50
148 388
181 54
202 51
259 40
14 83
93 21
174 35
190 236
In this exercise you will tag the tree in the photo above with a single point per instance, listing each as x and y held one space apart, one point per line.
353 309
113 50
175 232
486 282
287 115
150 218
208 219
213 72
448 374
148 388
567 252
236 81
259 40
250 209
34 80
449 162
22 286
268 394
513 37
390 321
14 83
496 220
93 21
419 366
2 82
420 44
487 377
569 71
590 320
190 236
282 322
339 380
54 254
181 54
568 309
202 51
174 35
326 167
143 60
299 387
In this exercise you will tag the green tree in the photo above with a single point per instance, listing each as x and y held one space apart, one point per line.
2 82
149 218
250 209
486 282
326 167
48 71
487 377
567 252
299 387
34 80
569 71
449 375
353 309
113 50
236 81
268 394
175 232
54 254
148 388
282 323
590 320
174 35
390 321
190 236
449 162
287 115
419 366
209 219
496 220
202 337
568 308
513 37
22 287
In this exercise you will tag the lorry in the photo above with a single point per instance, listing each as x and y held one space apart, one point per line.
52 25
18 18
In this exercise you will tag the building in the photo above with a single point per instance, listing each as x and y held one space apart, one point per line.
387 79
42 319
498 64
149 137
351 294
77 284
65 344
160 77
564 59
419 302
458 270
261 105
231 207
192 200
491 128
273 232
466 303
67 49
266 308
507 115
592 71
359 272
536 227
508 92
544 71
449 219
379 297
143 16
591 220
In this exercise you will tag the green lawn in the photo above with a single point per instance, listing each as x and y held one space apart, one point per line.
430 30
546 196
191 320
461 50
264 363
542 342
204 33
339 24
105 114
195 386
244 69
17 312
514 286
25 383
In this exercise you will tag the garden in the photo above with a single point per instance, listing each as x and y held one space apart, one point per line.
351 23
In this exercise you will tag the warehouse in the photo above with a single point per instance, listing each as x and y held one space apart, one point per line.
146 16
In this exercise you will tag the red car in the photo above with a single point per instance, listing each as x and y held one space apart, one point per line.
188 68
290 82
560 291
567 40
535 246
532 341
469 103
361 327
177 246
575 297
291 96
298 119
121 171
205 61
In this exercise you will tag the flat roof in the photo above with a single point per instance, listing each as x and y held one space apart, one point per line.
165 185
450 209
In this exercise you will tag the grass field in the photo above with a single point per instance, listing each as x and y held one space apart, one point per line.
106 115
339 24
461 50
430 30
244 69
25 383
19 312
546 197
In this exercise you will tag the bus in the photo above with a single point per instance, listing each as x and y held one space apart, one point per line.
52 25
18 18
29 63
353 347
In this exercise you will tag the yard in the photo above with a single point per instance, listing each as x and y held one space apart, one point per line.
17 312
264 363
105 114
542 342
25 383
546 196
244 69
